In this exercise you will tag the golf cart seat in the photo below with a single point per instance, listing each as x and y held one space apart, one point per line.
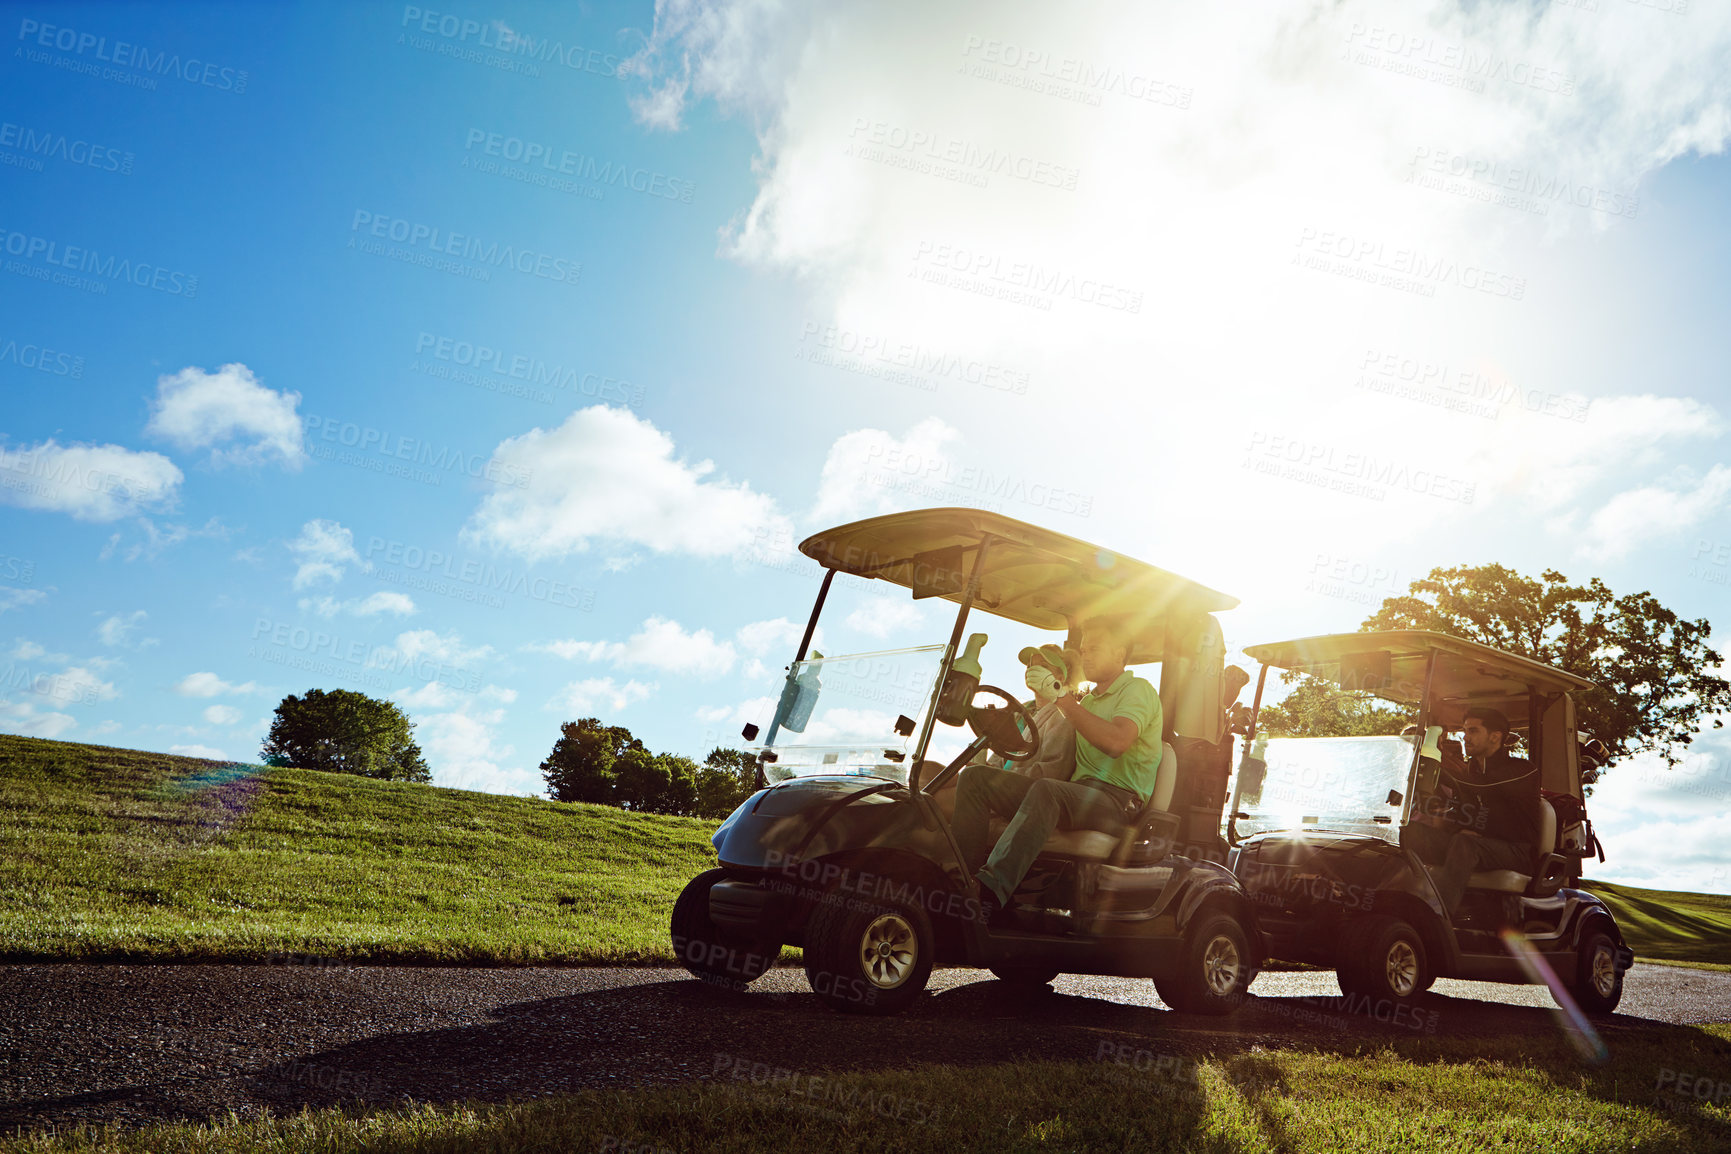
1513 881
1104 845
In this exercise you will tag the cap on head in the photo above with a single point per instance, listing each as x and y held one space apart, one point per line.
1051 656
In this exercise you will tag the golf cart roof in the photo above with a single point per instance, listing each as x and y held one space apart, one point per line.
1032 575
1465 670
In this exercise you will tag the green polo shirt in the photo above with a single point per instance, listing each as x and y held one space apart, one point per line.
1129 696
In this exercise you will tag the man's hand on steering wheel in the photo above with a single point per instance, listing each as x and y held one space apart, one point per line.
998 726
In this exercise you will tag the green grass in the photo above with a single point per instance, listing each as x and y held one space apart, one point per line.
1694 929
114 854
1417 1095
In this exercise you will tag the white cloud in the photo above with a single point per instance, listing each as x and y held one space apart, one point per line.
605 475
1638 515
665 645
435 695
430 696
756 710
222 715
27 650
14 598
463 751
419 644
156 539
1298 124
599 694
74 685
118 630
1658 824
661 644
321 551
1556 463
882 616
733 53
204 751
573 650
400 604
32 721
869 471
778 633
210 685
88 482
230 413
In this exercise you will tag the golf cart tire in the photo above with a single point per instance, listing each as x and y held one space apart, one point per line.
1384 959
1598 983
1215 968
840 938
1025 977
709 952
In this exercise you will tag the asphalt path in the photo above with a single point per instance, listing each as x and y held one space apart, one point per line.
135 1044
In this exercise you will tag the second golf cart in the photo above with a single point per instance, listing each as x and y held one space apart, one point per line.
1316 826
847 853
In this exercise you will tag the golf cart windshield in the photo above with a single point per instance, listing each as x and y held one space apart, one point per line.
839 715
1333 783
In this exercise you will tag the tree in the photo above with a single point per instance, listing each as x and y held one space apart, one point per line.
1318 708
582 764
604 764
726 778
342 731
1653 668
655 782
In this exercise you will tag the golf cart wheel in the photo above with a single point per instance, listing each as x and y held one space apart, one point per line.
1215 969
710 952
1384 960
1598 984
868 957
1027 977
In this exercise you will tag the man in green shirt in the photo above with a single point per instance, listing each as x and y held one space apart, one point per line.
1118 747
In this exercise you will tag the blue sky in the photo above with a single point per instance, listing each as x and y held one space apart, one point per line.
1299 305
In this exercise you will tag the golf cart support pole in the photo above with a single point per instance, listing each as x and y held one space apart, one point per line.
1249 740
804 645
1424 721
968 594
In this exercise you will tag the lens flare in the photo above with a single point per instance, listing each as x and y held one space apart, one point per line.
1576 1028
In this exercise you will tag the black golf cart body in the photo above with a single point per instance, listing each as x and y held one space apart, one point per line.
849 825
1316 823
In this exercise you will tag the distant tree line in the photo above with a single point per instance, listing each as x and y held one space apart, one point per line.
606 765
342 731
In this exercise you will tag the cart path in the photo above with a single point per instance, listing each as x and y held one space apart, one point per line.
134 1044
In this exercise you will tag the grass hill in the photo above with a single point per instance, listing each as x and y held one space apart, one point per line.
116 854
1671 927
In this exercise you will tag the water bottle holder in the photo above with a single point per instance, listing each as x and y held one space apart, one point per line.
957 696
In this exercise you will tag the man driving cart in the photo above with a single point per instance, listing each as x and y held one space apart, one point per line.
1489 817
1118 751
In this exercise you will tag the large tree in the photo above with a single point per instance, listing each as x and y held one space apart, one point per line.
1318 708
341 731
582 764
1654 669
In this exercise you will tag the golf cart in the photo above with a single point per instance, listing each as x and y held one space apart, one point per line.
846 852
1316 823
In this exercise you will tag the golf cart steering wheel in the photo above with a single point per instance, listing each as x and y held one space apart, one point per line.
998 726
